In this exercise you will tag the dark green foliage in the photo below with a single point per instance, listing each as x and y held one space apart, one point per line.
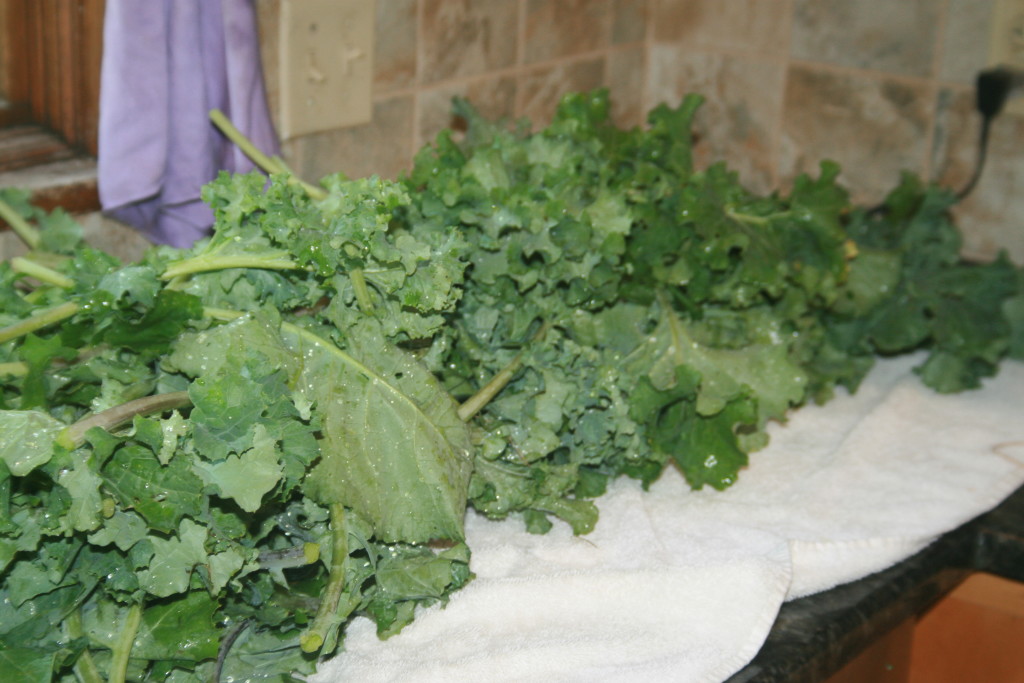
639 312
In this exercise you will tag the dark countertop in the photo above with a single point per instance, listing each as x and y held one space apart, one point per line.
813 637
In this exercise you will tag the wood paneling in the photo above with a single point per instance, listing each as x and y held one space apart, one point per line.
52 63
975 634
29 145
887 660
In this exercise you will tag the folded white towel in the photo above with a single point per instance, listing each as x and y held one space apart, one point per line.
684 585
646 596
867 480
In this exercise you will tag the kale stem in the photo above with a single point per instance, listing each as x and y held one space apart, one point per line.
313 639
259 158
299 556
13 369
201 264
358 279
123 647
85 668
303 334
245 144
361 290
753 219
475 403
225 648
224 314
73 436
38 321
28 234
20 264
307 336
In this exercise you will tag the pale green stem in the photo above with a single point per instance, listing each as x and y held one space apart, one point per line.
123 646
245 144
20 264
305 335
13 369
35 295
475 403
85 668
470 407
753 219
19 369
268 164
282 164
28 234
38 321
177 284
358 279
202 264
361 290
73 436
299 556
224 314
313 639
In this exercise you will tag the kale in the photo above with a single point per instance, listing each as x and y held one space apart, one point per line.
214 458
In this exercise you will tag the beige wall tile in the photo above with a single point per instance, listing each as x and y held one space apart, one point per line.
629 20
896 36
874 127
564 28
737 122
268 17
382 147
955 141
991 215
770 111
394 57
467 37
495 98
626 86
542 88
966 40
735 25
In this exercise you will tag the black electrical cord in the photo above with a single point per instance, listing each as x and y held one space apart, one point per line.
992 90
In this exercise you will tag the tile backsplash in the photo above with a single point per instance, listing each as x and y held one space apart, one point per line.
877 85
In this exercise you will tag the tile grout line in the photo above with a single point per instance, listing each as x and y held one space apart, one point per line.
875 74
933 90
780 113
507 72
518 69
608 27
416 142
645 67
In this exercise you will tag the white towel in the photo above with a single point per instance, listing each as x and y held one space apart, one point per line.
867 480
684 585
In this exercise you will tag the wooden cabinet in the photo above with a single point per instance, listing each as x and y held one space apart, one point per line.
973 635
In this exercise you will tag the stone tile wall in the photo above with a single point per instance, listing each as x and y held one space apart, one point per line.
880 86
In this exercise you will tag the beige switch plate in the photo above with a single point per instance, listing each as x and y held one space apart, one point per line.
1006 46
326 65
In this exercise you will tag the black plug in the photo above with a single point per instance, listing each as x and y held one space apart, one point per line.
992 90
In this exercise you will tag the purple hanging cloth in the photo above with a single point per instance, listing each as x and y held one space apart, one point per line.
166 64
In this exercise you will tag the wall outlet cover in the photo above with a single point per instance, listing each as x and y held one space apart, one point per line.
326 65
